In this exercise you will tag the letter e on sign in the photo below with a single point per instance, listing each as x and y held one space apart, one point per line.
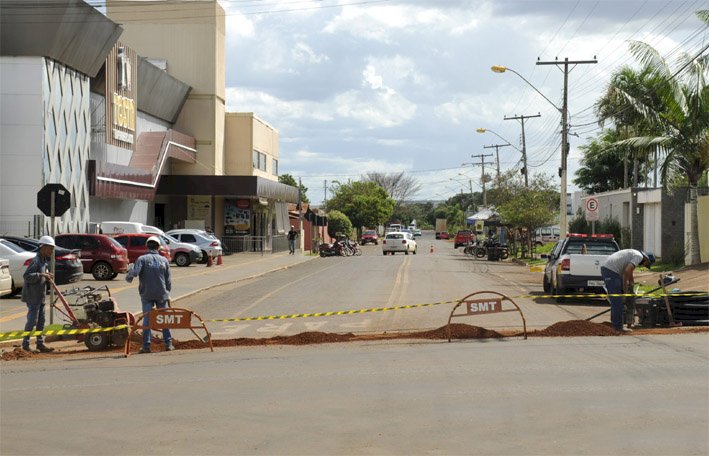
483 306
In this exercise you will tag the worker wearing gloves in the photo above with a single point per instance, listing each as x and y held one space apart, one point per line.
153 270
34 292
618 278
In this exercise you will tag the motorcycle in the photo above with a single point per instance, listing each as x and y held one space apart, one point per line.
334 249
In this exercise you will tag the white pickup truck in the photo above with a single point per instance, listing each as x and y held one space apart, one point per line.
575 264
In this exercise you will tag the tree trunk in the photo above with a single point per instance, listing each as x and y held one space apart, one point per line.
694 253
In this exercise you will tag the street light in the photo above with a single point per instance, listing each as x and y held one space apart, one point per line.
564 146
523 151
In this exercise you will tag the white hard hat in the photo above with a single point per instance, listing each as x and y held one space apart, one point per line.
47 240
154 239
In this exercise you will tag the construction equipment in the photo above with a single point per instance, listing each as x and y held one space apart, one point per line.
686 308
90 309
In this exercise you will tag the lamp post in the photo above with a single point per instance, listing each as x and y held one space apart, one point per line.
564 146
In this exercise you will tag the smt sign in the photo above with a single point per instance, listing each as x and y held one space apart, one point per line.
483 306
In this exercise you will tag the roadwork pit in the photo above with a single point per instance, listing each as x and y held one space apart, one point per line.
459 331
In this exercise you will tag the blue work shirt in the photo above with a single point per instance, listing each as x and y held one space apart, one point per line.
153 270
35 288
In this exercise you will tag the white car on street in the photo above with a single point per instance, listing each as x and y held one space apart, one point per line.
399 241
5 277
208 243
19 259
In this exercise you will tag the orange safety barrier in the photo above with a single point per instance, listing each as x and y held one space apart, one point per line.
169 318
483 306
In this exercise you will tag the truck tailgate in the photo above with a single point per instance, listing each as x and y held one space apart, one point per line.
587 266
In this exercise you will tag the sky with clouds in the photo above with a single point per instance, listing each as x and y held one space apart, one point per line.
354 86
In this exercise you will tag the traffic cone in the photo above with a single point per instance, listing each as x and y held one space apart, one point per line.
219 259
209 259
431 251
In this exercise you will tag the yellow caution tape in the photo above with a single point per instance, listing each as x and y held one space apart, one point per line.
58 332
330 314
61 332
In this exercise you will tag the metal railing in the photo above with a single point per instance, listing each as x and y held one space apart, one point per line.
254 244
243 244
279 243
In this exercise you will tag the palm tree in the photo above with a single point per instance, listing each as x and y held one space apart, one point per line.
679 122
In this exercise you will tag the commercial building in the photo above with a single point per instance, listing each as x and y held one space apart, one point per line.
131 119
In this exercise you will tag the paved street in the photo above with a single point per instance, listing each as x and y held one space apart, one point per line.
255 285
604 395
617 395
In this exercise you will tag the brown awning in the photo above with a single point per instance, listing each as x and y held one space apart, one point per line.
139 180
232 186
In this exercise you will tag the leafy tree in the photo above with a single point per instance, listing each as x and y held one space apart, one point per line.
398 186
366 204
602 167
290 180
679 122
338 224
531 207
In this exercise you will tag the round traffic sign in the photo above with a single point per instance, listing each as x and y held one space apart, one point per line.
592 204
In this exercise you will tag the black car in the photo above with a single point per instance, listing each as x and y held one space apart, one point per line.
67 263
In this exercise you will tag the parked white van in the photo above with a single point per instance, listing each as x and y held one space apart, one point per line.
111 228
546 234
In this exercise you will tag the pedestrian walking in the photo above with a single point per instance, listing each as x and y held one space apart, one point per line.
34 292
292 235
153 271
618 278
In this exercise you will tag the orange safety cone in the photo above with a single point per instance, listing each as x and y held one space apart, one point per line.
431 251
219 259
209 259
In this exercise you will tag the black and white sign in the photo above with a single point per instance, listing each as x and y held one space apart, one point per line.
592 210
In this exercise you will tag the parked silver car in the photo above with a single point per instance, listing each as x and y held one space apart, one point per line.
182 253
208 243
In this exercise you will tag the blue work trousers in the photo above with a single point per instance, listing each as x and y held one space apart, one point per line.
614 285
291 245
35 320
148 305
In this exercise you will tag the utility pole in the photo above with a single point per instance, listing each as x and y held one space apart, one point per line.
563 222
525 170
497 155
325 188
482 162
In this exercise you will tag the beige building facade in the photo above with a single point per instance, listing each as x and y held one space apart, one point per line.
186 39
233 186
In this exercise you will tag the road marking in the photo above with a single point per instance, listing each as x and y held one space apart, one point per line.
288 285
13 316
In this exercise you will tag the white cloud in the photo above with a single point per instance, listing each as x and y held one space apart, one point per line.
305 54
371 78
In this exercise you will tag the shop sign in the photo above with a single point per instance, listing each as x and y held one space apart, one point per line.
123 112
237 221
121 96
123 136
243 204
199 207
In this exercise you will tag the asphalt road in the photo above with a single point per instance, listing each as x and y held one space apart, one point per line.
375 281
613 395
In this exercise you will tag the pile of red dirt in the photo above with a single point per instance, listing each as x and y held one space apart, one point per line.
575 328
457 331
16 354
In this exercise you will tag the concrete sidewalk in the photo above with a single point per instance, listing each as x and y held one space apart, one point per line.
186 282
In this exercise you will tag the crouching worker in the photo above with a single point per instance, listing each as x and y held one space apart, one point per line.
618 279
153 271
34 292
